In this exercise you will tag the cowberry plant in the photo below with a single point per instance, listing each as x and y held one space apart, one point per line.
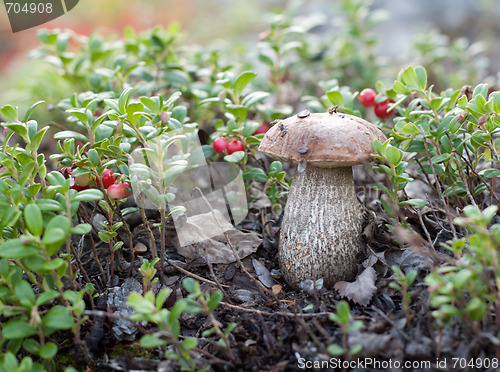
402 283
449 139
464 292
149 308
36 250
141 104
343 318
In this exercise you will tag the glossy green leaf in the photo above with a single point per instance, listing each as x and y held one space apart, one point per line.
16 248
58 317
17 328
242 81
34 219
88 195
48 351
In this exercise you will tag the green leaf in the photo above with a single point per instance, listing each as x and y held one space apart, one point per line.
56 233
18 128
476 308
254 98
255 174
242 81
15 248
70 134
49 205
30 110
335 98
152 341
335 350
421 77
214 301
53 236
150 104
190 343
32 127
355 349
480 89
57 318
190 284
490 173
88 195
9 113
123 100
275 167
249 128
393 155
344 312
34 219
56 178
235 157
81 114
31 346
17 328
161 297
113 104
48 351
81 229
410 78
93 157
25 294
416 202
46 297
104 236
173 171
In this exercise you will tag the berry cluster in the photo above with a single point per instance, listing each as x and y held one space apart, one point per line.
381 109
222 144
115 190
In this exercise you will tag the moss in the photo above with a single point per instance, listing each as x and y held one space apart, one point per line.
134 350
62 361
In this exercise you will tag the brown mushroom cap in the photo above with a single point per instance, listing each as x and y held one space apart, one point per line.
323 140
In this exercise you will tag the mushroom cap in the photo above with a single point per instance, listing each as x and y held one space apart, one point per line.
324 140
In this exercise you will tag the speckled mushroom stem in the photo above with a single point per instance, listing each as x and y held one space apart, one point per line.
320 232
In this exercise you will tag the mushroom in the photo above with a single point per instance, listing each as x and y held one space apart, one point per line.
322 223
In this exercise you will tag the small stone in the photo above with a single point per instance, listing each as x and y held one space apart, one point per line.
303 150
243 295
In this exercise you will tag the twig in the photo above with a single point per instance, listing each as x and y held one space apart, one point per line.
461 171
269 336
438 184
311 334
212 273
429 239
277 313
80 266
379 258
96 258
193 275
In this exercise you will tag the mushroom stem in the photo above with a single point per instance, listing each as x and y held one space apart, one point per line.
320 232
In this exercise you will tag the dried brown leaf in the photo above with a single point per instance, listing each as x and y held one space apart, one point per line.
360 291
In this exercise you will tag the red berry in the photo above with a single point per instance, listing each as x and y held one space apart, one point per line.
367 97
107 179
118 191
220 144
83 180
66 171
381 109
79 188
263 128
235 146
